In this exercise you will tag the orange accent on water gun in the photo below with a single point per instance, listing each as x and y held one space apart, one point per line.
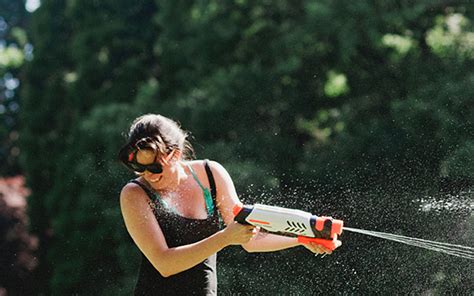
237 208
328 244
336 225
259 222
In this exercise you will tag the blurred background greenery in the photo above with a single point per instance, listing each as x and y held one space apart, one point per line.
362 110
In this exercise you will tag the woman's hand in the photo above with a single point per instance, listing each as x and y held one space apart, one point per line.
237 234
319 249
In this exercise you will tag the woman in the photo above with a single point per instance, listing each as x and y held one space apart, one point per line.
172 208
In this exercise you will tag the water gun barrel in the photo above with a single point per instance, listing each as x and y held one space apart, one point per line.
306 227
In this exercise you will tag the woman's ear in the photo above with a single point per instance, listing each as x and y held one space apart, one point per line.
175 155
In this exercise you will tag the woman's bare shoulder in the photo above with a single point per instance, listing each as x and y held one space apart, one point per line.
132 193
218 170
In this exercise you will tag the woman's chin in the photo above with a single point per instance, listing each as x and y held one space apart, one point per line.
154 179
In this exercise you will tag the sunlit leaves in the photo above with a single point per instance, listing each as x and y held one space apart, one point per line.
336 84
452 36
401 44
19 35
11 57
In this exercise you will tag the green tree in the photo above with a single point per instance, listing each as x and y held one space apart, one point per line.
14 48
101 54
46 122
354 110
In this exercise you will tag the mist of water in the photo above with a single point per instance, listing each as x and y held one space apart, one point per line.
446 248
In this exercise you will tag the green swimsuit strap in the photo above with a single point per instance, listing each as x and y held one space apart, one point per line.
207 193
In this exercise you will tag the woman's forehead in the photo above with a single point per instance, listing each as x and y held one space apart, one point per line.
145 156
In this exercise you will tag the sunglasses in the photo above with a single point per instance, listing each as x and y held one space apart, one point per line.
132 164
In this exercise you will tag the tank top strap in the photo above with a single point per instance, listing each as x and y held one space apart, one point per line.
212 182
154 196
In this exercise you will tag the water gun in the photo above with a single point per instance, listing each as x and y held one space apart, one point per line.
288 222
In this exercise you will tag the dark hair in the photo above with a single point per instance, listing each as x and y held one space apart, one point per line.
157 133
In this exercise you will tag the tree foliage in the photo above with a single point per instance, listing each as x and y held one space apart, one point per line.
14 49
358 110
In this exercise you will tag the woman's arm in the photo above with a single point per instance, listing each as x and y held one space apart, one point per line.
147 235
263 242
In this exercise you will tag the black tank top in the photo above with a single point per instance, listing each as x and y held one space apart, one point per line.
178 230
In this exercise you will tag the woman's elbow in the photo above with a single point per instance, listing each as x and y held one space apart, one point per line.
165 272
163 268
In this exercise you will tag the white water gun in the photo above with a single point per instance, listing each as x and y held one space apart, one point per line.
288 222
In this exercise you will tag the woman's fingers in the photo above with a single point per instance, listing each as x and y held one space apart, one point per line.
317 249
237 234
320 249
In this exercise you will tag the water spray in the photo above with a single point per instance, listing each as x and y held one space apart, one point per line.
309 228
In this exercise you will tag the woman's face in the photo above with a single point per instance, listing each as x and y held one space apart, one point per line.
168 178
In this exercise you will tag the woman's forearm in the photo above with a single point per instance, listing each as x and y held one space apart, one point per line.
267 242
171 261
181 258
